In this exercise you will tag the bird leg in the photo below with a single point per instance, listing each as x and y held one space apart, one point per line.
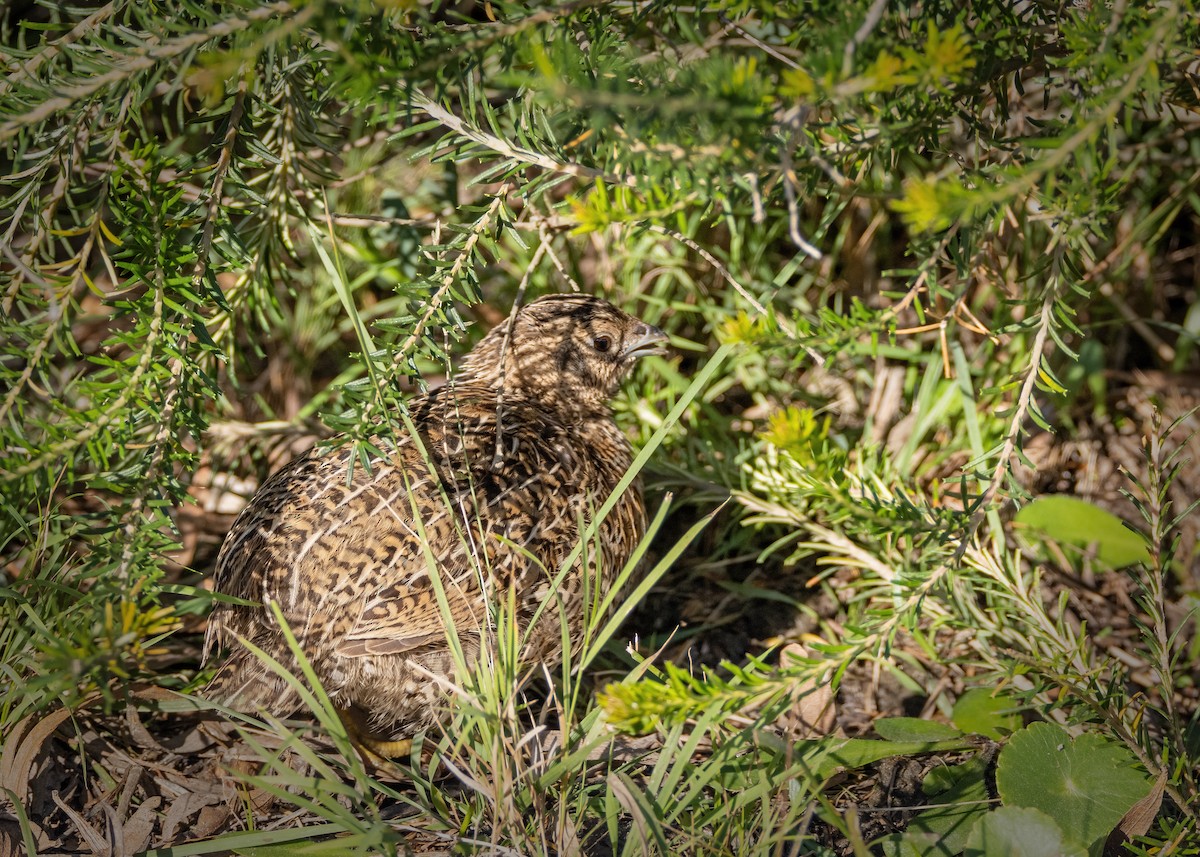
387 749
375 749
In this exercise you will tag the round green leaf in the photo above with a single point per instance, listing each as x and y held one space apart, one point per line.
980 711
958 795
1019 832
910 844
1072 521
1086 784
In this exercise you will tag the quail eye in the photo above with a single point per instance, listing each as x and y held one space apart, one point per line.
601 344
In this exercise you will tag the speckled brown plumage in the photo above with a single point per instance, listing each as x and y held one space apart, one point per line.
522 447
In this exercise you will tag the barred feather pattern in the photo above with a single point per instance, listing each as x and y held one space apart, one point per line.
489 496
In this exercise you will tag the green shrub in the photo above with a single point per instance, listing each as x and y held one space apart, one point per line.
247 220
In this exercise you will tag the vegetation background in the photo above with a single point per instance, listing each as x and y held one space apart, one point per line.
923 264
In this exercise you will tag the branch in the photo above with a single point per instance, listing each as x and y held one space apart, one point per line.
874 16
439 296
738 287
435 111
143 59
26 71
114 411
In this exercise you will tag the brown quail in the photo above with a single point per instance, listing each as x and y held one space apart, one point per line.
513 455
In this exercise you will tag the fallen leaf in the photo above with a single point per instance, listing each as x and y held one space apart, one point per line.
1139 818
813 713
141 736
22 748
183 808
99 843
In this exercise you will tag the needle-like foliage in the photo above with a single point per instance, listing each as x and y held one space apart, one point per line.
897 246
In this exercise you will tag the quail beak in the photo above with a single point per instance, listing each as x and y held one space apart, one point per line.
646 340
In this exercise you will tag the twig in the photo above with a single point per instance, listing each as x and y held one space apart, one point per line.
82 259
57 193
114 410
562 269
760 213
464 256
25 71
793 205
738 287
56 313
758 43
712 260
214 196
435 111
1024 400
368 220
131 519
146 58
874 16
942 326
